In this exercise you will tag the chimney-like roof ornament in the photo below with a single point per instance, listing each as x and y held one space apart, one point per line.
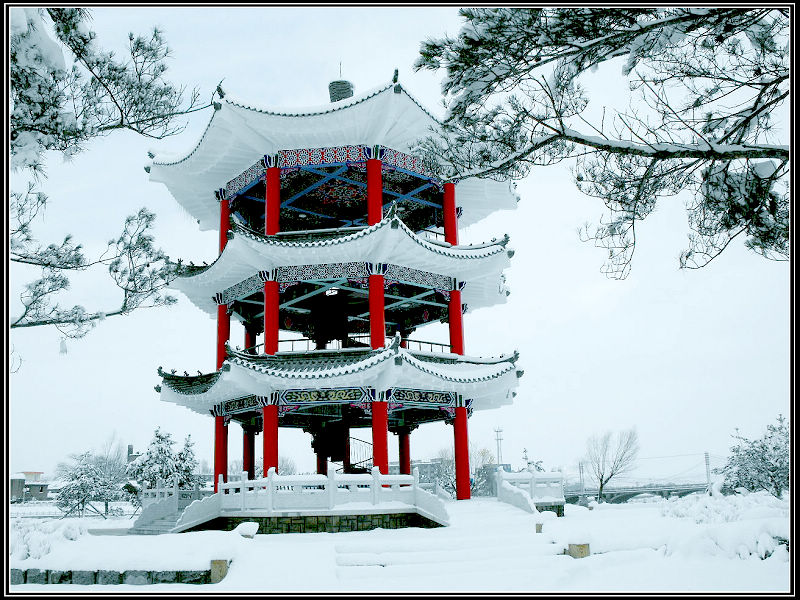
340 90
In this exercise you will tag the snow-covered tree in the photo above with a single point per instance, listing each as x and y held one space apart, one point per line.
186 464
708 113
609 455
65 91
81 482
111 465
761 464
157 463
161 462
481 477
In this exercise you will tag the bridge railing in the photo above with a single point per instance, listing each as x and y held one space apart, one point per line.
542 488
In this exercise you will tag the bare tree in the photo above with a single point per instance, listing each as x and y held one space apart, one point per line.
609 455
707 113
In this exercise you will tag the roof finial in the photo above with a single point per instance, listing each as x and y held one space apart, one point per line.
340 69
394 79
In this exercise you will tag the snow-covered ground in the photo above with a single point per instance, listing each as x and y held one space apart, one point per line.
696 543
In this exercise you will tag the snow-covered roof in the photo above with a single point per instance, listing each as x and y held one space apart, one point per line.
487 382
239 134
389 241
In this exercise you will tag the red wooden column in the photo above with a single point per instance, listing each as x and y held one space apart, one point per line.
456 325
461 453
272 210
270 435
249 339
404 451
346 462
455 321
223 335
220 450
249 451
272 207
374 189
377 318
450 214
322 464
380 431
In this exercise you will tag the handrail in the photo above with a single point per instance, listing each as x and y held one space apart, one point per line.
277 493
309 345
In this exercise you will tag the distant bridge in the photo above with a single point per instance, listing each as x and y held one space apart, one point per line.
621 494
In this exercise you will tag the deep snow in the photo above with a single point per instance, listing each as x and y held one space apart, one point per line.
698 543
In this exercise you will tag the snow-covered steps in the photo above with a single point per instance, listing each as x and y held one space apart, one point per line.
164 525
484 535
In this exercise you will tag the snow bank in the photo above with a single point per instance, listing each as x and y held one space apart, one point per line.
724 509
32 538
743 525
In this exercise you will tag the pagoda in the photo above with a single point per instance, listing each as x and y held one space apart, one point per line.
336 243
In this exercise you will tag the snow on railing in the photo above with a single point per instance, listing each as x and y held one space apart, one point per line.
541 488
515 496
159 502
276 493
199 512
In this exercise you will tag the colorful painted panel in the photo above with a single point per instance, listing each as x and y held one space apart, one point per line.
409 396
331 395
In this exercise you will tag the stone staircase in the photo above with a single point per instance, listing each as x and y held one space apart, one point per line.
456 548
164 525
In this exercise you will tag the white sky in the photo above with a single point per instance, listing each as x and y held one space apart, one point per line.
685 356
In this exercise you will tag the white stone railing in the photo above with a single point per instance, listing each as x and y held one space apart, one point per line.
158 502
199 512
540 488
275 494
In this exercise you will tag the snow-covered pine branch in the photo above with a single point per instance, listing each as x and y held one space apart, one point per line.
712 85
65 91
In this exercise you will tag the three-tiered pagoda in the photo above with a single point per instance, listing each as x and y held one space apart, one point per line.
330 230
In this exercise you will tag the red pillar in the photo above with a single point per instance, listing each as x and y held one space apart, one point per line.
223 335
272 208
380 432
224 223
404 452
346 462
322 464
223 318
374 191
271 311
223 332
220 450
270 435
377 318
248 452
450 216
456 322
249 339
272 211
461 454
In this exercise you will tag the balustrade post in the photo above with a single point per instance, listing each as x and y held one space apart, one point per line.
270 488
532 486
220 481
244 489
175 493
332 486
376 484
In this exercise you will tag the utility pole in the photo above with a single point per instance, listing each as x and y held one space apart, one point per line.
708 474
499 437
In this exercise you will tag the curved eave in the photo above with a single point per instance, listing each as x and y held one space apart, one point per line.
488 382
239 134
388 241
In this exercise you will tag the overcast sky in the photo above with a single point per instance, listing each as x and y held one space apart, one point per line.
684 356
